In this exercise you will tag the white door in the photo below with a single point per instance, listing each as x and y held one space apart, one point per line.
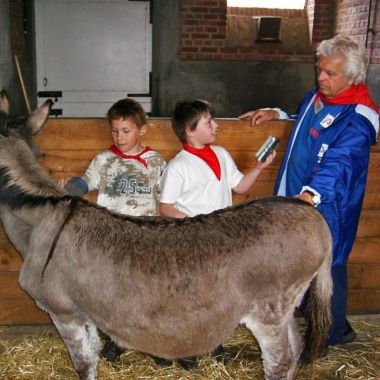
91 53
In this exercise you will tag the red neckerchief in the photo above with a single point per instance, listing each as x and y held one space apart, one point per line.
357 94
137 157
207 155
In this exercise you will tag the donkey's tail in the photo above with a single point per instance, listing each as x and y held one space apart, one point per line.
318 312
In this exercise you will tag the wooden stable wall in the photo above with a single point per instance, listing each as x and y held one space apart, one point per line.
70 144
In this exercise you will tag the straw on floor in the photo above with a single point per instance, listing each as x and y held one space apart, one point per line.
45 357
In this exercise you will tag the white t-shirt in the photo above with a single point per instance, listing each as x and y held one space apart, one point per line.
126 185
192 187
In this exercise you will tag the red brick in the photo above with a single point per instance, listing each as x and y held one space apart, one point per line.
190 49
211 17
200 35
199 9
218 36
208 50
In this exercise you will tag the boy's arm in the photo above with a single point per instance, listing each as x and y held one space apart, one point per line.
171 188
166 209
249 179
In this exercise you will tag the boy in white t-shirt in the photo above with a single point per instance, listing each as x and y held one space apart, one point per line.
201 177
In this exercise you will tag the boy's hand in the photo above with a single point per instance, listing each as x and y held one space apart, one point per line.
259 116
167 209
250 178
261 165
63 181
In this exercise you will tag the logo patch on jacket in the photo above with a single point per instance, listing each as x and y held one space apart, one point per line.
322 151
327 121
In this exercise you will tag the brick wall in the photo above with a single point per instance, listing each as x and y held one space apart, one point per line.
352 20
321 14
203 29
212 31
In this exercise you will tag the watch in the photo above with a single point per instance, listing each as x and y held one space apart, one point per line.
314 197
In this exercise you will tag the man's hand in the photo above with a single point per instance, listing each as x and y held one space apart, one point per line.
306 197
259 116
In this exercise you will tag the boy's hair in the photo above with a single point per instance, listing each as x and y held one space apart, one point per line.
187 114
127 109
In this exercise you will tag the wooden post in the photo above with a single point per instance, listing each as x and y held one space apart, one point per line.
22 83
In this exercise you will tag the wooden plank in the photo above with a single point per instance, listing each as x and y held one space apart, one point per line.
3 237
371 201
366 251
93 134
363 302
10 259
9 286
364 276
21 312
24 311
369 224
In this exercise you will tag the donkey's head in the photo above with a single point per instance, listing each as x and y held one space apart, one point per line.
22 128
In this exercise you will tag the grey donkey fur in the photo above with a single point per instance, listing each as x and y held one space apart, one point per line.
171 288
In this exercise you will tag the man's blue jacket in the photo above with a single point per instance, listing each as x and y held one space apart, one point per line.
336 161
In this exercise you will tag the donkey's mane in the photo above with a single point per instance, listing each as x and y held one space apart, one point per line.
22 179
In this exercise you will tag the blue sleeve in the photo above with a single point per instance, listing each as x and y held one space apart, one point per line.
344 162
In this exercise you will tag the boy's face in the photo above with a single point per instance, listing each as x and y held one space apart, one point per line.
126 135
204 133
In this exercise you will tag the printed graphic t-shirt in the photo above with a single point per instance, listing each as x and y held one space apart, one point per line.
126 185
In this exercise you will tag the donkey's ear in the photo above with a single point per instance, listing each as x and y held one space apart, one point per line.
38 117
4 102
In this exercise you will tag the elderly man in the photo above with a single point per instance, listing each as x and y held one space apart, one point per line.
326 160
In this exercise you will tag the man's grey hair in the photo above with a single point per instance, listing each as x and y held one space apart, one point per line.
356 61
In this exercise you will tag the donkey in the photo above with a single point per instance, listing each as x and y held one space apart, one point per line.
171 288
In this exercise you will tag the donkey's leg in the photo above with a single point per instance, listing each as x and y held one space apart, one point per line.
82 342
93 337
296 343
275 347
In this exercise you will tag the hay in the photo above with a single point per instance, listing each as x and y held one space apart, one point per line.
45 357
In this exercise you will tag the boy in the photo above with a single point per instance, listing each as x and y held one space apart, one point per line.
201 177
127 175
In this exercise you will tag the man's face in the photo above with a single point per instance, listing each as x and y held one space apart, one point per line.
330 75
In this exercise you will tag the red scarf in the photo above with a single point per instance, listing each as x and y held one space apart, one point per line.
137 157
207 155
357 94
